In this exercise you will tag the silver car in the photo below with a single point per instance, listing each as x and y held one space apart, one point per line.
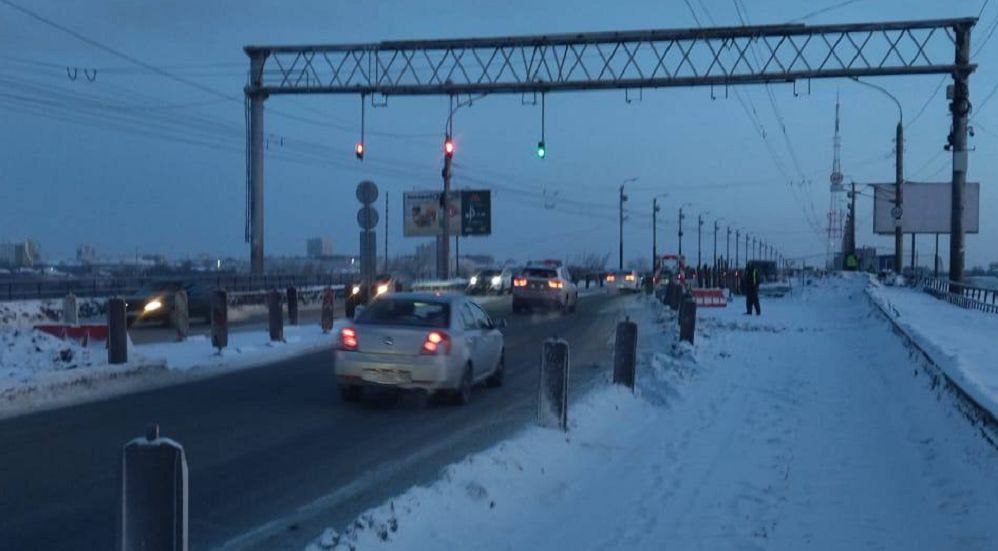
421 341
544 286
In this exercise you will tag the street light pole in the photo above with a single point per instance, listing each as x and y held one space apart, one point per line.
699 232
654 231
898 210
727 249
623 199
738 237
681 231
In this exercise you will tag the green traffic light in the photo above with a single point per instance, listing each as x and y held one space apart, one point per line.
541 151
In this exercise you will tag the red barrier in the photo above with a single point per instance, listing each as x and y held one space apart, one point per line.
83 334
710 298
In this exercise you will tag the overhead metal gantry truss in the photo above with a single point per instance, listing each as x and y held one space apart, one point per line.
630 59
720 56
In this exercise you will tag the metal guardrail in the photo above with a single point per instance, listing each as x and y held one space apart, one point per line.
49 288
961 294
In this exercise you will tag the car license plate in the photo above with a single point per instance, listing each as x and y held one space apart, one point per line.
387 376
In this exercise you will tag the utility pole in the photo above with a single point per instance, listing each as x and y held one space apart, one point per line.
443 255
620 259
254 226
959 108
738 237
715 245
913 251
654 233
386 232
681 231
898 190
851 240
727 250
935 260
699 232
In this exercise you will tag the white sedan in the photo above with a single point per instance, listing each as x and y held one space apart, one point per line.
420 341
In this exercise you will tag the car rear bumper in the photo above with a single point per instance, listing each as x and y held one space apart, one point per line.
396 370
539 298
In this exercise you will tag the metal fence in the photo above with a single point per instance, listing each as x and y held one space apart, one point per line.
961 294
48 288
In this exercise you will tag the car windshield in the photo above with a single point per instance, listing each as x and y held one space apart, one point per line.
402 311
540 272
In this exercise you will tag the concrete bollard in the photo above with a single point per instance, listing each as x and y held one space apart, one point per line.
70 310
552 403
117 332
292 306
625 352
154 494
674 296
181 315
328 310
219 319
275 316
687 318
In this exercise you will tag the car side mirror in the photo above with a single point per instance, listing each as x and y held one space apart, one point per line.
358 310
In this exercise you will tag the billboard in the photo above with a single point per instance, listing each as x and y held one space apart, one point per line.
926 207
470 213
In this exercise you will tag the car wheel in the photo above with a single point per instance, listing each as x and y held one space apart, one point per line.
497 376
351 393
462 396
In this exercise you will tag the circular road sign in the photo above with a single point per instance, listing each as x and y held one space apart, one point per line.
367 192
896 212
367 217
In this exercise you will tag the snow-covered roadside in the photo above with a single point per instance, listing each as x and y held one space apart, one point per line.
959 341
803 428
33 375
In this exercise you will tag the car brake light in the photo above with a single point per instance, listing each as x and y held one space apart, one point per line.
520 282
435 342
555 283
348 338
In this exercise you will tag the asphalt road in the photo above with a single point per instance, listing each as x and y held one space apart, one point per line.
274 455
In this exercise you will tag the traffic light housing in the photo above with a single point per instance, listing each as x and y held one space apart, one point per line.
449 147
359 151
541 150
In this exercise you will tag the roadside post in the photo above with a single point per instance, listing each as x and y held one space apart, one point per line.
674 295
552 403
70 311
181 316
292 306
117 332
328 310
687 318
154 494
275 316
219 319
625 353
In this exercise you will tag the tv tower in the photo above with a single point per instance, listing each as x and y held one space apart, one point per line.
836 189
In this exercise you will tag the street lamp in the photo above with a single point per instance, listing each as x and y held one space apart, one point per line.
654 229
623 198
680 225
897 211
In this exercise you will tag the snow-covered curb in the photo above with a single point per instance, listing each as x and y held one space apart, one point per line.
151 366
942 332
517 474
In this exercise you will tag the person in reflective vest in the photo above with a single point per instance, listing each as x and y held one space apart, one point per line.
752 280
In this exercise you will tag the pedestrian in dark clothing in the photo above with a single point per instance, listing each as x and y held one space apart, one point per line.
752 291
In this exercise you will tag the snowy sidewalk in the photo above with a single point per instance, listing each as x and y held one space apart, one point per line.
808 427
960 341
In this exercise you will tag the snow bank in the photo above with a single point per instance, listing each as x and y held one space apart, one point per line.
961 342
802 428
39 371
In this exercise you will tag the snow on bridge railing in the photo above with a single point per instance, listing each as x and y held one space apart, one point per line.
961 294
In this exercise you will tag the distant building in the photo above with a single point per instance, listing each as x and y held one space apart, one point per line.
21 254
86 254
319 247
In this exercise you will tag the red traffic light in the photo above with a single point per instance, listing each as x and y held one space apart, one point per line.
449 148
359 150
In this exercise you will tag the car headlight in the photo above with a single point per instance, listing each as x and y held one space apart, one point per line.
355 290
496 281
382 289
152 306
473 280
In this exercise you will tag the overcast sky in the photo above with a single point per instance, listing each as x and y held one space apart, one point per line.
160 167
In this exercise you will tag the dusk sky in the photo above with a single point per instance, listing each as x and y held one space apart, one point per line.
134 161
